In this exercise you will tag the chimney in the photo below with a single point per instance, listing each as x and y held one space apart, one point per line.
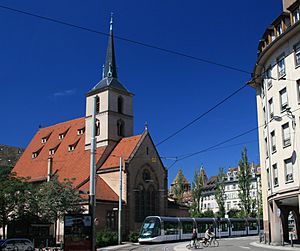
49 174
287 3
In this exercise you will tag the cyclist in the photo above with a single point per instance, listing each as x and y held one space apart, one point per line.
194 237
209 234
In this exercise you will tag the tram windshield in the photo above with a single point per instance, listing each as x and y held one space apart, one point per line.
150 228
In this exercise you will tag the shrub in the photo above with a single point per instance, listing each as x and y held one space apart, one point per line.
106 238
133 236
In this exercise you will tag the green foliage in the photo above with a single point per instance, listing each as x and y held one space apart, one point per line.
178 186
106 238
244 181
234 213
197 185
220 193
55 198
133 236
15 195
208 214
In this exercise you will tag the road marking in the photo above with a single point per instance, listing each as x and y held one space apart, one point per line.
244 247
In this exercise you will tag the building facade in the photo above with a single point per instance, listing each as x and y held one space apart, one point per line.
231 193
64 150
276 78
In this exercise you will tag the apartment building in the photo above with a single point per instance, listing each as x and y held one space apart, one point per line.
276 78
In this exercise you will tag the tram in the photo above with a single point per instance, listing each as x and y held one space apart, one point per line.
157 229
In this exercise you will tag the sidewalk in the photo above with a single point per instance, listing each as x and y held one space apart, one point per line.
286 247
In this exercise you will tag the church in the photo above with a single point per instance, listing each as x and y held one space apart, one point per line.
64 149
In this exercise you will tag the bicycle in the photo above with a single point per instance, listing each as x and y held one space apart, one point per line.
194 244
213 242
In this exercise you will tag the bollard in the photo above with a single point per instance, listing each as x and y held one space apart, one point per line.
291 237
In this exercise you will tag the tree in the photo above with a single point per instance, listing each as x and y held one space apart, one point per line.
244 181
15 195
197 185
220 192
178 186
55 199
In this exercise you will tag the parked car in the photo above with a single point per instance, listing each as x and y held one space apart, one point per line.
16 244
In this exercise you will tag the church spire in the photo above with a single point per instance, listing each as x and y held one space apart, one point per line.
110 67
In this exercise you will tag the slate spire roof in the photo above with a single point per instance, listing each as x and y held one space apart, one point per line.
109 74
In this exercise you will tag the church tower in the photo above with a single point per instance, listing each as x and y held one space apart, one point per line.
114 112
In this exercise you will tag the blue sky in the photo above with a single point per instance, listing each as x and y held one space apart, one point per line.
46 69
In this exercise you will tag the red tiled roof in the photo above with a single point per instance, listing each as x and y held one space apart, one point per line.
74 165
103 190
124 149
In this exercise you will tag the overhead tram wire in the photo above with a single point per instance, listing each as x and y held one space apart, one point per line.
202 60
203 114
214 147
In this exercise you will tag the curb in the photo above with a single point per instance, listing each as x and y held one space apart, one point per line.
255 244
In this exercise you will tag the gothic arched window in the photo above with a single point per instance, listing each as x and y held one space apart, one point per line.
120 128
97 104
97 128
120 104
146 202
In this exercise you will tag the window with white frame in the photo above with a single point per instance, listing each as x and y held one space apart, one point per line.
296 15
286 135
297 54
283 99
273 141
275 174
288 170
281 66
271 108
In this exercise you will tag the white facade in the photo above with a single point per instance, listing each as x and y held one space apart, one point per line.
277 82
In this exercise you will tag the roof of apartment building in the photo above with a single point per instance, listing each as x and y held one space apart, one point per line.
9 155
64 144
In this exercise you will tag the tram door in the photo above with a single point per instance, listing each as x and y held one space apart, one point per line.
171 229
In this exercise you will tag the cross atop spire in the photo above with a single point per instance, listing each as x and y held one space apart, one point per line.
110 67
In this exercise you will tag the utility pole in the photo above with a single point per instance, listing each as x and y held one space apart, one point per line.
92 202
120 206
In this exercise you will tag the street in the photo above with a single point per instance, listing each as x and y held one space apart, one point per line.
232 244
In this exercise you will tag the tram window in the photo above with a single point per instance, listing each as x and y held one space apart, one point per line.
171 227
224 226
187 227
150 228
238 226
203 226
252 225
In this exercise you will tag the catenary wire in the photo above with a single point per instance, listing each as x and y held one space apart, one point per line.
126 39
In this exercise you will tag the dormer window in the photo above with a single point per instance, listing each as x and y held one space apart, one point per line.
61 136
51 151
279 29
80 131
44 140
296 15
72 147
36 153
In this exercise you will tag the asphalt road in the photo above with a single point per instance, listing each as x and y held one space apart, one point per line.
226 244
